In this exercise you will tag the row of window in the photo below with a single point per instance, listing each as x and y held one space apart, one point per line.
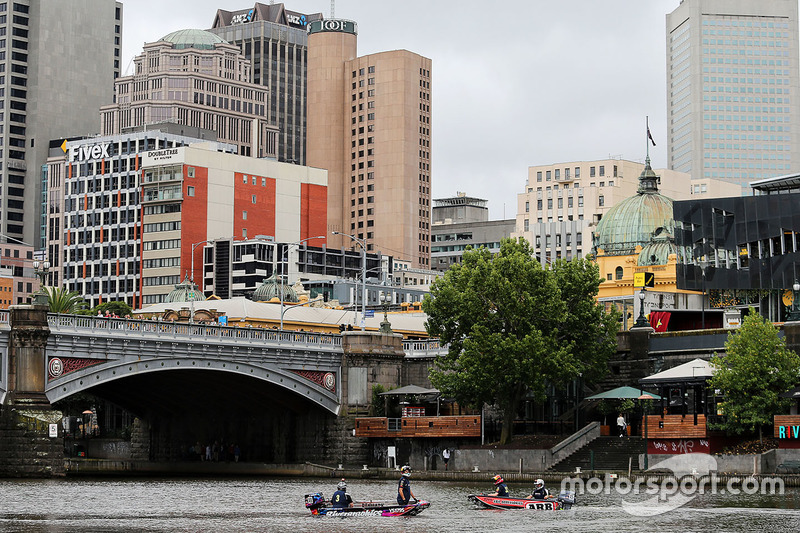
549 174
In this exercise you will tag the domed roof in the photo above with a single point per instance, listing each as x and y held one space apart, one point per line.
270 288
201 39
658 250
633 221
186 291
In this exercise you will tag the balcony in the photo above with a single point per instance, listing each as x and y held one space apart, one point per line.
419 426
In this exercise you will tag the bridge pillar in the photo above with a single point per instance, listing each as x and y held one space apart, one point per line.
31 434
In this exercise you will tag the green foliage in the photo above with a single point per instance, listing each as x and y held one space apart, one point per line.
121 309
756 370
63 301
627 406
514 327
378 405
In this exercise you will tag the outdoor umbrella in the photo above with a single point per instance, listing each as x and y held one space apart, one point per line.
621 393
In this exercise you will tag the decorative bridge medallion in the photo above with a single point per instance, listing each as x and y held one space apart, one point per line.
59 366
323 379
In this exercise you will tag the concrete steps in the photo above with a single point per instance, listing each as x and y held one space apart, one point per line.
610 453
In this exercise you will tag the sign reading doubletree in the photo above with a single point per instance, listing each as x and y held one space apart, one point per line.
332 25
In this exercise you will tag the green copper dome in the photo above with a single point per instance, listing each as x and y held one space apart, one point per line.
635 220
201 39
270 288
658 250
186 291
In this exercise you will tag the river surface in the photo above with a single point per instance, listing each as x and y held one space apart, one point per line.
262 504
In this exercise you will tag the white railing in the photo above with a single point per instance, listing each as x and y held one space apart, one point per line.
424 348
127 326
4 316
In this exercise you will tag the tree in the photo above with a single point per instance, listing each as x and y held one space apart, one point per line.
63 301
507 321
118 308
756 370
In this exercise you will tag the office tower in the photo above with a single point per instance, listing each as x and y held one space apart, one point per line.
369 124
274 40
137 208
196 79
58 62
732 71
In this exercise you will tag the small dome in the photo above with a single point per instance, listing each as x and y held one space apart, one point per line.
634 221
271 289
658 250
186 291
201 39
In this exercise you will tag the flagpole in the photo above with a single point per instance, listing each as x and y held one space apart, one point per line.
647 136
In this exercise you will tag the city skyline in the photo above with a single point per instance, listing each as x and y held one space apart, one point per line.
603 67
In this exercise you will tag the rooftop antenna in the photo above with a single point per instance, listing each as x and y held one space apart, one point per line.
333 8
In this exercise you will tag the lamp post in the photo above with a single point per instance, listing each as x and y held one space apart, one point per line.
284 269
41 269
191 279
287 307
386 326
641 321
794 314
363 275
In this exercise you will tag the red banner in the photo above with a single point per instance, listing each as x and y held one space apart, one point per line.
659 320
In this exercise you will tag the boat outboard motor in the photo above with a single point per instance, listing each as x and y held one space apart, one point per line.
315 500
567 498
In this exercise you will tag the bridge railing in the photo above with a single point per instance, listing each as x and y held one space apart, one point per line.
128 326
424 348
4 316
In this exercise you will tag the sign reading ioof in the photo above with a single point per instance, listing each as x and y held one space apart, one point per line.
89 152
334 25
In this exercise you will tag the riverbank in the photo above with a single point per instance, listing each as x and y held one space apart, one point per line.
101 467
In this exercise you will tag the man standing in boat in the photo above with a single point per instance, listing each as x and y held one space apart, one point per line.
340 498
404 492
501 489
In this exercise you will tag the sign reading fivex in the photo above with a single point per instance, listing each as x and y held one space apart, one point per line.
87 152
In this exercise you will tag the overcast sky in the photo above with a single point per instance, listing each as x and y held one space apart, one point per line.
515 83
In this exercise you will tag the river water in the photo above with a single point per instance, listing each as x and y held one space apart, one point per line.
263 504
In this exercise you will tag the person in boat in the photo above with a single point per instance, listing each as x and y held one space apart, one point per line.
500 487
539 491
340 498
404 492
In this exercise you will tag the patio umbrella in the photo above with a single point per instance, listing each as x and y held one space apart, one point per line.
621 393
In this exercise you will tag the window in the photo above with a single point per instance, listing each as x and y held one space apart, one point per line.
539 205
190 191
618 272
244 215
527 207
602 170
591 172
539 176
254 198
600 200
577 172
548 175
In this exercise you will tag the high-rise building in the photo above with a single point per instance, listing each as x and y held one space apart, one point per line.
732 70
132 211
274 40
369 124
58 64
194 78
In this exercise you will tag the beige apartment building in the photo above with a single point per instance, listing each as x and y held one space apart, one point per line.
194 78
369 125
563 202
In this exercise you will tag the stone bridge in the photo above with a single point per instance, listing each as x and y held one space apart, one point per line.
85 352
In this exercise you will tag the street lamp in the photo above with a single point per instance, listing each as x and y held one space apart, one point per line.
41 268
284 269
641 321
191 278
386 326
794 314
363 245
307 302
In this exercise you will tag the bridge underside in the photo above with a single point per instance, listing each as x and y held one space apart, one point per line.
180 409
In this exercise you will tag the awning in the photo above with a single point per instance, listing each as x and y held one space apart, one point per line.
695 371
409 390
793 393
623 393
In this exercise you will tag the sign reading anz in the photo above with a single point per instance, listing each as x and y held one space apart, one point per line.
88 152
296 19
242 18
